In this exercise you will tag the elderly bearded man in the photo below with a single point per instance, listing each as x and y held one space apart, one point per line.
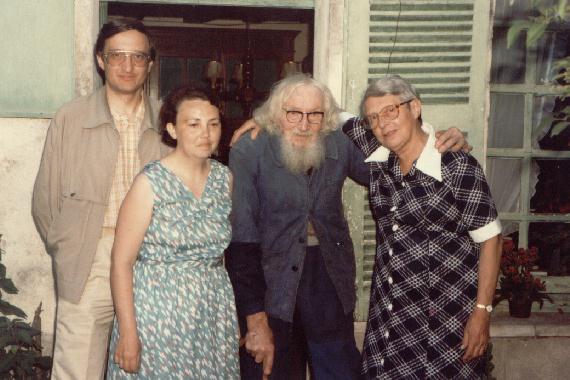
291 260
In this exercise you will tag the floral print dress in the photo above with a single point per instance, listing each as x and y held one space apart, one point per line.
184 302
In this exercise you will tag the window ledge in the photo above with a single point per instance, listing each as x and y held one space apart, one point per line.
538 325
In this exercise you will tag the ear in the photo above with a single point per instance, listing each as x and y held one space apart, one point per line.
171 130
100 62
149 67
416 108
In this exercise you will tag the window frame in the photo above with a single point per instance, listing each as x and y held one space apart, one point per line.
524 217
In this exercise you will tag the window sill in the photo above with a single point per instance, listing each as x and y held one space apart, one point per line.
537 326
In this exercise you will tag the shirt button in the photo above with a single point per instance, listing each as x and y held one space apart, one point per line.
382 361
390 307
390 252
395 227
404 184
386 334
390 280
294 268
393 208
302 240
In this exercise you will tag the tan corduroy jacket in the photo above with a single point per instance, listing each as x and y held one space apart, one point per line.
74 181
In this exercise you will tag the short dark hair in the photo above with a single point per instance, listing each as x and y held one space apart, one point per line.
169 109
117 26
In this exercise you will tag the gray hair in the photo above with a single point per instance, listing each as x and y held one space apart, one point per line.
267 115
390 85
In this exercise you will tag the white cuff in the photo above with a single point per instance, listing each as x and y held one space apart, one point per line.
343 117
486 232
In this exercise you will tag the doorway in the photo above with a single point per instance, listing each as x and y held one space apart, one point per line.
212 47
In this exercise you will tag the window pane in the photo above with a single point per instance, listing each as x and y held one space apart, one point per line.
508 64
553 243
508 10
506 121
552 190
545 136
504 177
551 47
171 70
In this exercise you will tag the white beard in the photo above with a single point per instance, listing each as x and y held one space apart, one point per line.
300 159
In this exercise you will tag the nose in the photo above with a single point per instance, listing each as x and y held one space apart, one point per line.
128 63
304 124
206 131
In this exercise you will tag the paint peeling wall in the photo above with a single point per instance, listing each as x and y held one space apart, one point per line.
21 144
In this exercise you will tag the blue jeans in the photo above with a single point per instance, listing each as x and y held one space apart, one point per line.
321 333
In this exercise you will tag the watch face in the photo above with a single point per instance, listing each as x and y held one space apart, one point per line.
489 308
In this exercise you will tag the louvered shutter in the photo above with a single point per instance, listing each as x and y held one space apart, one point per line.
432 46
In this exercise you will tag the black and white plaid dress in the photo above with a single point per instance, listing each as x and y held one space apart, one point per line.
424 283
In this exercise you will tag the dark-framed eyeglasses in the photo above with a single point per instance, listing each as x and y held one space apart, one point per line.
390 112
117 57
314 117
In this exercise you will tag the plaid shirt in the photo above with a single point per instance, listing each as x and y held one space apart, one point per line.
128 162
424 286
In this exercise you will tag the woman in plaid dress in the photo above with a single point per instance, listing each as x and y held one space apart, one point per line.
438 244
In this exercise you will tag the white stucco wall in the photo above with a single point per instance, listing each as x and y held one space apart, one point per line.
21 144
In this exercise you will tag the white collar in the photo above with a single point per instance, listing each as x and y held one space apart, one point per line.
429 161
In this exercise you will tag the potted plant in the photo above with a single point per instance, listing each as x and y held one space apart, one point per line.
20 344
517 284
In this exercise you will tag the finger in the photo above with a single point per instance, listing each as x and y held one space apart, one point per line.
268 364
467 148
254 133
258 357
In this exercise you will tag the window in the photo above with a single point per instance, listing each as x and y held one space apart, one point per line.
528 168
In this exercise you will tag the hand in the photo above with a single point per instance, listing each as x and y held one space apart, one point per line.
451 140
128 353
249 125
476 334
259 342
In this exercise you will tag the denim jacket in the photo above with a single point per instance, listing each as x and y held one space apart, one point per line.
272 207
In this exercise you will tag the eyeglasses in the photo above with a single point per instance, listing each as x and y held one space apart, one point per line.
297 116
390 112
117 57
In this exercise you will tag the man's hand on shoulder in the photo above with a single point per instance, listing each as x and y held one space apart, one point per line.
259 341
249 125
451 140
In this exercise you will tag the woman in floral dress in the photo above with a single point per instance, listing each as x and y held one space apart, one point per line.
175 311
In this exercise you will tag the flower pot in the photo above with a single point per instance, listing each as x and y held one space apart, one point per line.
520 306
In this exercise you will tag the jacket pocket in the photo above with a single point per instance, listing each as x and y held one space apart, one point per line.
68 228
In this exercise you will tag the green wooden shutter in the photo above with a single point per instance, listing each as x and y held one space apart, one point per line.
37 74
430 44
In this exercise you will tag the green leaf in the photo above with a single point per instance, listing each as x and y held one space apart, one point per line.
544 123
515 29
535 32
9 309
8 286
562 8
558 128
44 362
25 337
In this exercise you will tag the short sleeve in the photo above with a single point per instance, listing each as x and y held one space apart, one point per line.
363 138
479 214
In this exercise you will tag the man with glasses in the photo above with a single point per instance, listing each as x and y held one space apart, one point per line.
95 146
291 260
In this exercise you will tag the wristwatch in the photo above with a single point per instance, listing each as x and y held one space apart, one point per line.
489 308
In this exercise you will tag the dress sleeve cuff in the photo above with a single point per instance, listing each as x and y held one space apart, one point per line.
486 232
343 117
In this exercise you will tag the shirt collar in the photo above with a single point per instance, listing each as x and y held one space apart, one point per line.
429 161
